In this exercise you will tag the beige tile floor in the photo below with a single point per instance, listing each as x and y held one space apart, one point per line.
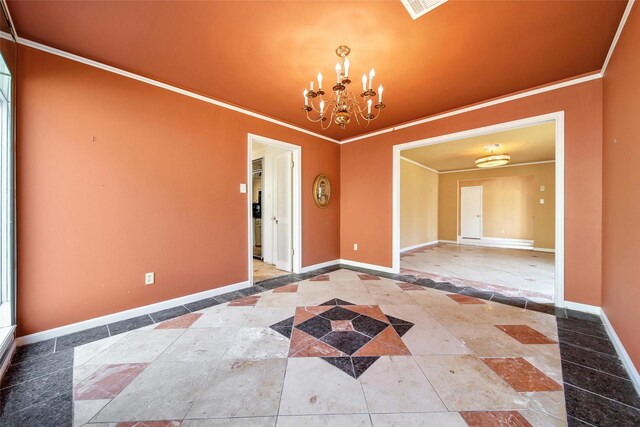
263 271
224 365
513 272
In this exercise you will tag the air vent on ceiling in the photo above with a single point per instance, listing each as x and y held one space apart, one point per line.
417 8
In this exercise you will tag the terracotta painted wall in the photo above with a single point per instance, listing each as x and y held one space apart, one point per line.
158 191
418 205
621 175
500 202
366 180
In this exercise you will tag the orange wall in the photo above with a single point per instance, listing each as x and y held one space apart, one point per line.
621 204
366 174
158 191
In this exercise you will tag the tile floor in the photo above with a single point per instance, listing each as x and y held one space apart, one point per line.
513 272
341 348
263 271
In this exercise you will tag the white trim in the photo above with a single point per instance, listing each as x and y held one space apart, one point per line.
166 86
558 119
419 245
419 164
500 167
452 242
623 21
550 250
624 356
481 105
365 265
497 242
296 155
320 265
585 308
127 314
14 31
6 36
9 354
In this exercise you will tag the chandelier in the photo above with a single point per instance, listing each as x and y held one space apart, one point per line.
342 104
492 160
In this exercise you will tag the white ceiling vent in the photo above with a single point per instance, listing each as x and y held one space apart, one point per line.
417 8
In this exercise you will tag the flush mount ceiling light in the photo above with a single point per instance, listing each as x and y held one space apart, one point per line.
492 160
342 104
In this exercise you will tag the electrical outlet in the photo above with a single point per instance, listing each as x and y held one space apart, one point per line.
542 201
149 278
542 188
243 188
355 246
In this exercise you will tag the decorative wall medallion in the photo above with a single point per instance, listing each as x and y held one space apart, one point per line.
321 191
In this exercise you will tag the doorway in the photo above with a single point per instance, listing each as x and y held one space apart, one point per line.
274 208
492 228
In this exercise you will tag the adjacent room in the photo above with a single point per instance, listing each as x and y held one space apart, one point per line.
311 213
480 212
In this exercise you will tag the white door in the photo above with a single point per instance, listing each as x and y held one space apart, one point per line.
471 212
282 210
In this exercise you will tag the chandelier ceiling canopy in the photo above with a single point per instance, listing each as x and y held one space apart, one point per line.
341 104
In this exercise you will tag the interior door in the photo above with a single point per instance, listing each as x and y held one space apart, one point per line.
471 212
283 208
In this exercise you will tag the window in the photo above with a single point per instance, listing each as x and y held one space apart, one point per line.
7 207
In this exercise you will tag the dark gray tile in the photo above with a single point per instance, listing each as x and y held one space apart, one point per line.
587 341
427 283
129 324
582 326
540 307
346 342
35 368
477 293
82 337
342 363
33 351
402 329
24 395
597 382
368 326
597 410
57 411
283 330
169 313
580 315
316 327
229 296
574 422
446 286
592 359
361 364
339 313
202 304
512 301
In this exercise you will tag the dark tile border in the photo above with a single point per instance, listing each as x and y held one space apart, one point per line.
37 387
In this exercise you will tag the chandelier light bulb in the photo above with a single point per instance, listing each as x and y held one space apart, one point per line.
306 100
321 108
319 81
372 74
311 85
380 94
338 72
346 67
369 106
364 82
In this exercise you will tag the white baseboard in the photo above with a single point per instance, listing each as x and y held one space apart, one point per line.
544 250
586 308
321 265
365 265
127 314
497 242
7 347
448 241
419 245
624 356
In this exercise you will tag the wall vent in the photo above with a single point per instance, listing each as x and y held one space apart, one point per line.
417 8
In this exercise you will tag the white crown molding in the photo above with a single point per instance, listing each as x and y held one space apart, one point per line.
127 314
623 21
105 67
14 32
418 164
479 106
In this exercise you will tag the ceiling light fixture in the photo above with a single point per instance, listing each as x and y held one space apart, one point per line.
492 160
342 103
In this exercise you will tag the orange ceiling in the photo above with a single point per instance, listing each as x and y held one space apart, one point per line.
261 55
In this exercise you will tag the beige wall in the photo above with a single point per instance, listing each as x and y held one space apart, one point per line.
520 217
418 204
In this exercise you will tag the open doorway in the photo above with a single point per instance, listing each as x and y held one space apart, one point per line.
496 228
274 215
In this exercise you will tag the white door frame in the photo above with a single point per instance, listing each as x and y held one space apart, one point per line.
558 119
459 210
296 155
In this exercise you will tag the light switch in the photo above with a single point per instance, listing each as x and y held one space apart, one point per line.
243 188
542 188
542 201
